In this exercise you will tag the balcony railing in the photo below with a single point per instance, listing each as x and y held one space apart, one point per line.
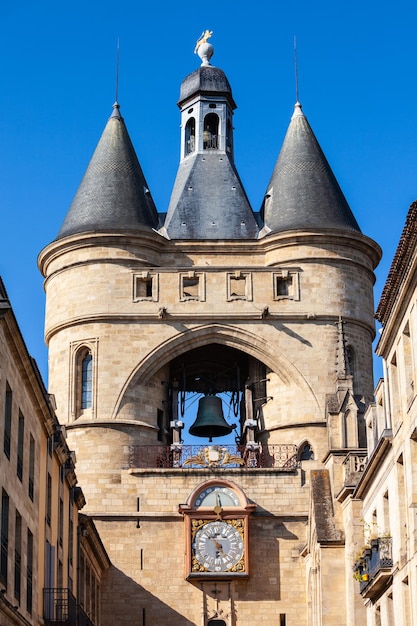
60 607
277 456
374 568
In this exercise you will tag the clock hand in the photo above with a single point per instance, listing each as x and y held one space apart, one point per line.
218 508
218 546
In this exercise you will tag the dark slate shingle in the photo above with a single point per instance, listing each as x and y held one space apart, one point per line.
303 191
208 201
113 194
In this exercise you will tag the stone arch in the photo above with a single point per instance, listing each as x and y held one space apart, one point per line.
222 334
215 482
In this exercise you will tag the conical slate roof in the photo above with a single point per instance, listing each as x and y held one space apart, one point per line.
208 201
113 194
303 191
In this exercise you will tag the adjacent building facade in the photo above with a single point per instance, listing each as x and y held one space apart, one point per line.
45 559
387 488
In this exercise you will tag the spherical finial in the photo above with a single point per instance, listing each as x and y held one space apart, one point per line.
204 50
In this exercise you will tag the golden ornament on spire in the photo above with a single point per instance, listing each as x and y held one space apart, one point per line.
203 39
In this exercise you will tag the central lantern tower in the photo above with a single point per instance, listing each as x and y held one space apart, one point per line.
147 313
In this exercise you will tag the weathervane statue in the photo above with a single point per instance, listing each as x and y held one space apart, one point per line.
204 49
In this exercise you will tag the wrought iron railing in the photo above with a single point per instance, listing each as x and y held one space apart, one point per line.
277 456
376 560
60 607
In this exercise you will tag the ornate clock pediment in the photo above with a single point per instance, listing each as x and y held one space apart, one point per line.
216 531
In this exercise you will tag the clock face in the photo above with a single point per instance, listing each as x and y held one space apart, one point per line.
218 546
217 495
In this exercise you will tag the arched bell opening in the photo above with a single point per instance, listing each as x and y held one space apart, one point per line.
189 144
211 132
215 392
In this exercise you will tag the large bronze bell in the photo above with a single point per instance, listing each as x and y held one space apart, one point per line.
210 421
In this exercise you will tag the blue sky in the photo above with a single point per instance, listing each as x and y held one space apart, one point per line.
357 84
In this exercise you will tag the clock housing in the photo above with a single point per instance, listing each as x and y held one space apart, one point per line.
217 531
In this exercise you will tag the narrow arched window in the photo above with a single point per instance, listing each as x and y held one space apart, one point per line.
190 136
306 452
86 381
211 132
83 377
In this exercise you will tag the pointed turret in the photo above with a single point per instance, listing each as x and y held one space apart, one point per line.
208 200
303 192
113 194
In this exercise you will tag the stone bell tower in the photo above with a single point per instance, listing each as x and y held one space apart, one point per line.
272 310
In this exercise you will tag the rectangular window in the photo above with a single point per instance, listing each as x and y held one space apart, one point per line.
31 485
401 512
192 286
48 499
406 601
29 572
82 580
239 286
70 532
408 365
61 522
20 445
60 580
286 285
4 547
145 287
18 557
98 604
93 598
393 380
87 589
70 543
49 580
7 421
